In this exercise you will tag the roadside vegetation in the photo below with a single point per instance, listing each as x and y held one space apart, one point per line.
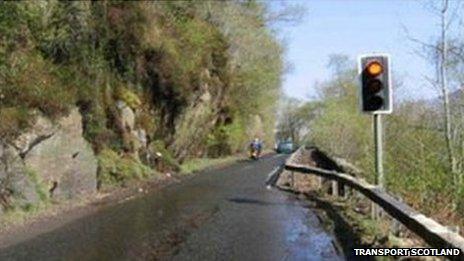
162 87
417 165
424 141
193 165
200 77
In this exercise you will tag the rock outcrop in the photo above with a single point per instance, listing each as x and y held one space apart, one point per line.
48 159
134 139
127 116
42 129
17 187
65 161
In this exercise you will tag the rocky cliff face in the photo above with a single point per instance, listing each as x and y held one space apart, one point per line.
16 187
48 160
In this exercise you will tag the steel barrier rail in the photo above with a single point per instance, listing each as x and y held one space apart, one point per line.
428 229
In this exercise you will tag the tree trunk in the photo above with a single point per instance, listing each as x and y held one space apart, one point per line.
445 90
446 104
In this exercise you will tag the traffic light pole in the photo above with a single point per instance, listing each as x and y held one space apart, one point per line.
380 179
378 133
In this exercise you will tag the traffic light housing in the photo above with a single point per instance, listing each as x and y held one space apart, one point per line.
375 84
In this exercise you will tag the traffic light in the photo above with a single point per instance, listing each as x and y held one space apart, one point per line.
375 89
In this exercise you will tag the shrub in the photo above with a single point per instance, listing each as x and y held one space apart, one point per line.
12 119
117 170
147 120
32 83
161 158
217 142
130 98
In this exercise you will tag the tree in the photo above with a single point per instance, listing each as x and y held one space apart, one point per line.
443 55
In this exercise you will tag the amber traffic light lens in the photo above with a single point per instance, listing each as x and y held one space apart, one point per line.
374 68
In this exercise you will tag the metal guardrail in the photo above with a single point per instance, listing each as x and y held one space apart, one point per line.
435 234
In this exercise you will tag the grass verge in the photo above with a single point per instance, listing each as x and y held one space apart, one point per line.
15 218
195 165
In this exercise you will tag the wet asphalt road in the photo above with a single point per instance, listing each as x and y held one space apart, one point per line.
225 214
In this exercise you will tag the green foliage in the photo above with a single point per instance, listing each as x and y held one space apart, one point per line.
416 167
339 127
33 83
217 143
414 162
165 158
235 137
40 187
95 127
198 164
117 170
12 119
129 97
202 77
147 120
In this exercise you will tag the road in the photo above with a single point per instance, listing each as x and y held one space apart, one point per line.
222 214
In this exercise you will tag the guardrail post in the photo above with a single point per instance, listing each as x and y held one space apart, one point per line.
292 177
346 191
335 188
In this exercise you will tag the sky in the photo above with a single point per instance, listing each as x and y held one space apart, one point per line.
358 27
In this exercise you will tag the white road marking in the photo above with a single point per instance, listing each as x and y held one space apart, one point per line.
272 172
